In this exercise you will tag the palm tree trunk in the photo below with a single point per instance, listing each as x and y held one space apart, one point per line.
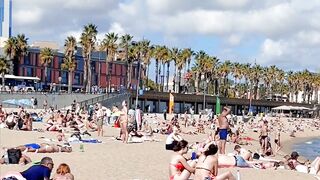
179 79
3 83
109 76
147 75
316 95
88 90
159 74
157 64
45 74
196 82
70 73
163 76
85 73
168 74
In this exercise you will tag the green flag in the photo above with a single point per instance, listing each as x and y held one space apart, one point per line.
218 107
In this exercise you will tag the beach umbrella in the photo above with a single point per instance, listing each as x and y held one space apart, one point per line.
218 107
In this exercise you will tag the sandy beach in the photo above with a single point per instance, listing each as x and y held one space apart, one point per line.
149 160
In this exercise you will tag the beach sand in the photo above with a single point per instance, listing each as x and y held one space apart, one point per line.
114 160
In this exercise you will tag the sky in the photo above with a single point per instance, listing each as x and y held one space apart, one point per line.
285 33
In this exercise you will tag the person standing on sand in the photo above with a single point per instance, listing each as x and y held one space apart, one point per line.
124 122
277 139
223 129
100 115
264 137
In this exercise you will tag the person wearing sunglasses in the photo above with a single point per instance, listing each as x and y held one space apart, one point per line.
41 171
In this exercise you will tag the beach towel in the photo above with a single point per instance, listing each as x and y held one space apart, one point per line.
91 141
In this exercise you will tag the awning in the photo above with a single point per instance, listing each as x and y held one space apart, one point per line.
8 76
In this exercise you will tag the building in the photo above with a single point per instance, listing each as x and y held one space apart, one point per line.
30 65
5 18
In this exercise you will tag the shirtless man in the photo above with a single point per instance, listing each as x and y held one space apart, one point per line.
264 137
223 129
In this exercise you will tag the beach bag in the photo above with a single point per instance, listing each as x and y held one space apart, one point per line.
14 156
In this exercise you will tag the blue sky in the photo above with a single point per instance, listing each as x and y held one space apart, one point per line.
272 32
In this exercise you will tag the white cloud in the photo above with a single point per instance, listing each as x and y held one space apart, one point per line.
117 28
279 30
27 17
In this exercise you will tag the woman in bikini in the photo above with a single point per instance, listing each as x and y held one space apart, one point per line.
207 166
124 123
179 167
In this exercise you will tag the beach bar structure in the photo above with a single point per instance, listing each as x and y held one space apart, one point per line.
158 101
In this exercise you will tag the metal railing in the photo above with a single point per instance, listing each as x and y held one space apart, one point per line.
103 98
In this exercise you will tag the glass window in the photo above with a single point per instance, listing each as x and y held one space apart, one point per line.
29 71
27 60
64 77
48 74
76 78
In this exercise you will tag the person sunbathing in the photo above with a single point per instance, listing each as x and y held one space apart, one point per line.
44 148
179 167
20 158
207 166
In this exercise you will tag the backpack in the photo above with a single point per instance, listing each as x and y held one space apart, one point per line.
14 156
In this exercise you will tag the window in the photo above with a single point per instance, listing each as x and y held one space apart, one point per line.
48 74
29 71
27 59
64 77
76 78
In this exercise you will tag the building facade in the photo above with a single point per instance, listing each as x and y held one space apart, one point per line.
102 73
5 18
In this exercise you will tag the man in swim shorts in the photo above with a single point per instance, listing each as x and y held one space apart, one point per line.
223 129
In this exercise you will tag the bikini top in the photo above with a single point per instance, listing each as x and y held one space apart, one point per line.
178 166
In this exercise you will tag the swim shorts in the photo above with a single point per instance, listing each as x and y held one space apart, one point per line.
240 162
32 146
223 133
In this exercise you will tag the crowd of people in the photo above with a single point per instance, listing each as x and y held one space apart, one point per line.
207 157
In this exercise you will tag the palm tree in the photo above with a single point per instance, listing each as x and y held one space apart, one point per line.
125 42
109 44
145 57
4 69
255 75
199 67
159 53
14 48
69 64
87 40
174 55
46 56
224 69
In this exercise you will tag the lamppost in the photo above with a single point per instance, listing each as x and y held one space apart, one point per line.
59 79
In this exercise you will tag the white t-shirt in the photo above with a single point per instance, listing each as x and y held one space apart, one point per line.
170 139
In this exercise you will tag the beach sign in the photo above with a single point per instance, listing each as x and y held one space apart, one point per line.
171 103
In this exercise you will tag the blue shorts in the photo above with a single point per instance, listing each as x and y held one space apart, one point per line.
32 146
240 162
223 133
